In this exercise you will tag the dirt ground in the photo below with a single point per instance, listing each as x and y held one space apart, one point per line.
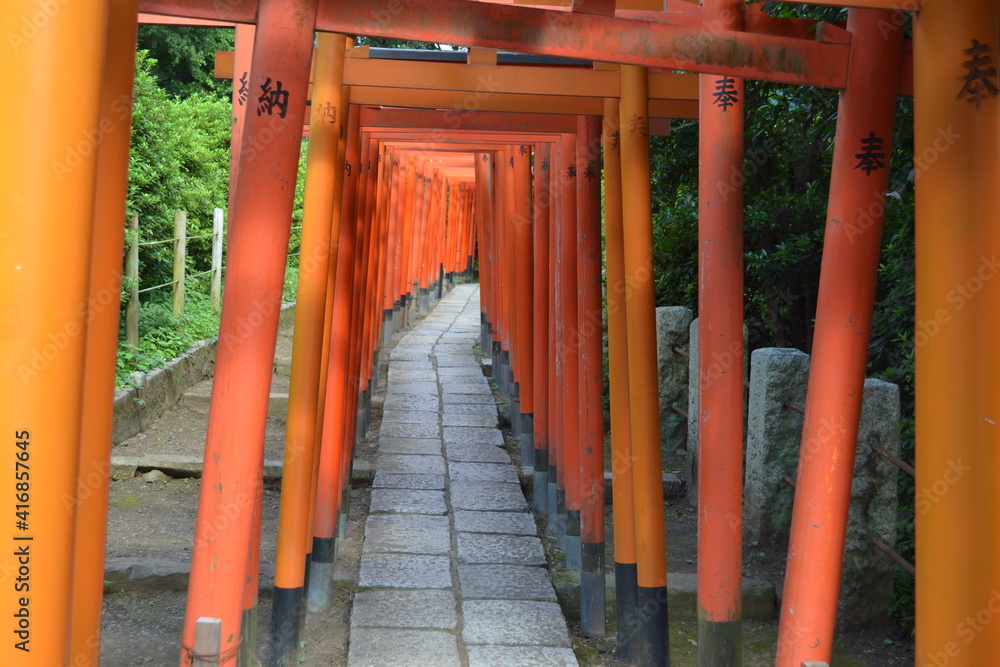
142 625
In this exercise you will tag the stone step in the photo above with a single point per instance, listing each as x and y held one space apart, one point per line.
760 601
126 467
161 574
199 399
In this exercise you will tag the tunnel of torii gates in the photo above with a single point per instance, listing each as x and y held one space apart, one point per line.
418 169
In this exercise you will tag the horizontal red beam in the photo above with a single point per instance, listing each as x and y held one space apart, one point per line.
559 33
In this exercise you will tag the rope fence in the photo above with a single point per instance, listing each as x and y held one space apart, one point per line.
180 275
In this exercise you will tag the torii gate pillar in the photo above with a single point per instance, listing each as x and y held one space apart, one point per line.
957 151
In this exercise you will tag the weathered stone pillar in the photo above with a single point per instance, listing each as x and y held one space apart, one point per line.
774 435
777 375
672 330
867 581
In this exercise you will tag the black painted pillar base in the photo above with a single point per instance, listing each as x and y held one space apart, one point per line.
627 611
574 550
654 642
593 596
540 481
720 643
286 615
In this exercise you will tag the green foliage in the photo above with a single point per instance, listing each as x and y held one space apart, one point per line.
179 161
164 335
184 58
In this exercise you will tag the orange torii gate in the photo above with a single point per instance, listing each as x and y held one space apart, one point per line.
953 49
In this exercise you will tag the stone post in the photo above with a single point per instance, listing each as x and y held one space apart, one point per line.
774 434
672 330
777 375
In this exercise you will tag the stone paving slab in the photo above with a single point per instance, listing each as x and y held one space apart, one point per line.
404 609
422 464
505 582
510 523
470 419
491 496
449 570
393 416
421 402
408 501
466 399
378 647
409 431
404 571
521 656
460 371
476 453
409 355
469 408
473 435
423 446
513 623
482 388
426 388
444 361
390 480
409 534
406 375
414 365
462 471
488 548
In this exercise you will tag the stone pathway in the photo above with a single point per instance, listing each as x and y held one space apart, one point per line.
452 571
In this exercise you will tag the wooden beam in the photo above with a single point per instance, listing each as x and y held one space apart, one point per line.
560 33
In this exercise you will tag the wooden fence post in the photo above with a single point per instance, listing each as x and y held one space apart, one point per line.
180 252
217 260
207 642
132 273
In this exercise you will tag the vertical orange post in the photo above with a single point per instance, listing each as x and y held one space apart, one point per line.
840 344
408 237
720 356
542 202
485 285
957 144
102 312
523 265
647 475
258 243
566 294
336 417
590 341
331 276
623 502
556 500
48 188
307 348
394 249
